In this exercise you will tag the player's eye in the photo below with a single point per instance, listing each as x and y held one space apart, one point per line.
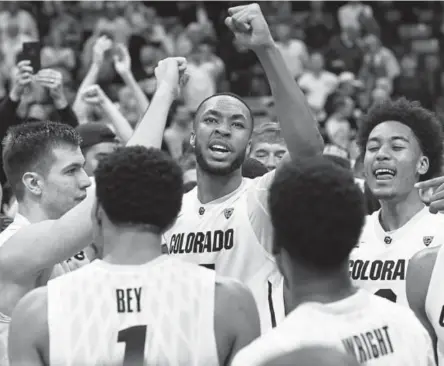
398 148
210 120
238 125
372 148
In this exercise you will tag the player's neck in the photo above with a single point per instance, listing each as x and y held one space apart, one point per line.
32 212
396 213
211 187
303 286
131 248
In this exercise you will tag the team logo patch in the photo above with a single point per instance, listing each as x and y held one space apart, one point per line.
427 240
201 211
228 212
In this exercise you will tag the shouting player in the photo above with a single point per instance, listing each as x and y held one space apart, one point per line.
35 248
311 247
402 144
137 306
425 274
224 223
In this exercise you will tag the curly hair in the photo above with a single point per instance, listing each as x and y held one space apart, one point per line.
317 212
422 122
29 146
139 186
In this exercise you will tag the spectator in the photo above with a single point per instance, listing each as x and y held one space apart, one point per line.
294 51
317 83
352 14
177 136
338 128
56 54
318 26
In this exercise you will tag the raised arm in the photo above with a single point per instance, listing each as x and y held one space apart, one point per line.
296 119
44 244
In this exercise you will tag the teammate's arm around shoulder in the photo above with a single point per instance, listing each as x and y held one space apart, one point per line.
236 318
419 273
28 342
42 245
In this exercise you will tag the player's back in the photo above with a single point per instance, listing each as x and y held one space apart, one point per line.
380 260
374 330
159 313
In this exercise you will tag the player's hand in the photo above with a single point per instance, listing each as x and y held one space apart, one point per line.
21 80
122 60
249 26
53 81
102 45
170 73
94 95
432 193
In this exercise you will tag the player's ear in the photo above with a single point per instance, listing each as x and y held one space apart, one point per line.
249 148
33 182
193 139
423 165
96 213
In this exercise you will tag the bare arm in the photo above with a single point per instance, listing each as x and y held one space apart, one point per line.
28 342
419 273
44 244
236 319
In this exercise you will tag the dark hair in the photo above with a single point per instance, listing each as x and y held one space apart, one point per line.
422 122
29 146
139 186
317 211
228 95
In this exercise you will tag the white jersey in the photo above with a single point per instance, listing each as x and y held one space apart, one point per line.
233 235
159 313
434 303
71 264
375 331
379 261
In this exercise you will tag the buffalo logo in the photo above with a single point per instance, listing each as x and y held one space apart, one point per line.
228 212
201 211
387 239
427 240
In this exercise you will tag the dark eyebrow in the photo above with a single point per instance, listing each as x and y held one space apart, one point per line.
217 113
393 138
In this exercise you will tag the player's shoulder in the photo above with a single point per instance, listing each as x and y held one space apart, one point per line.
33 305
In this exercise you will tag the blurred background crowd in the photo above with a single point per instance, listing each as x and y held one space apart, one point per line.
346 56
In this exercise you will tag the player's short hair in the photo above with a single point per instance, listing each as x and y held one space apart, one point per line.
235 96
317 212
421 121
269 132
139 186
29 146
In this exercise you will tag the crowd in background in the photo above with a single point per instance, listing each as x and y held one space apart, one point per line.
346 56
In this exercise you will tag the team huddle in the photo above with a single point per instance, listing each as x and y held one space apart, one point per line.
285 269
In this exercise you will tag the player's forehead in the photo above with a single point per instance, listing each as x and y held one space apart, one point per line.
225 105
65 155
391 130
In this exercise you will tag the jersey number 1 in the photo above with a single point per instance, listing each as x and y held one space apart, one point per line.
134 339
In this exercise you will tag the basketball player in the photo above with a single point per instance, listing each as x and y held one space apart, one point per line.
314 356
224 223
137 306
311 247
425 274
267 145
402 144
49 236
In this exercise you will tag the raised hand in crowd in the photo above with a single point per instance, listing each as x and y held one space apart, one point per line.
122 60
53 81
102 45
21 80
432 193
171 72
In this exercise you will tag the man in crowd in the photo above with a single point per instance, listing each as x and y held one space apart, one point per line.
164 310
311 247
224 222
402 144
57 179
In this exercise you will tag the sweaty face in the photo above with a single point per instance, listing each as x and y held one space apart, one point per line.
65 184
268 154
393 161
222 130
95 153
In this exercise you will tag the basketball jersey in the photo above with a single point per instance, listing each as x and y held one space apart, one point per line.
379 261
233 235
159 313
434 303
71 264
373 330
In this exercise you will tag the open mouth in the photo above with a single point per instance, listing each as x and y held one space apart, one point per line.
384 174
219 149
